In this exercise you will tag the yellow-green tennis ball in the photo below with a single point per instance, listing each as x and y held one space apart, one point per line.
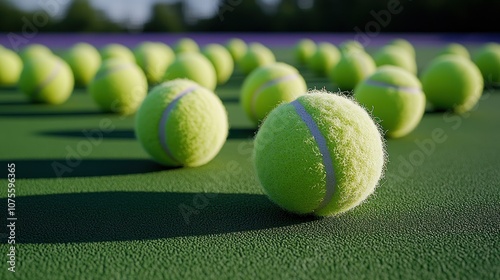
117 51
268 86
488 61
186 45
256 56
181 124
351 69
351 46
397 56
47 79
321 154
406 45
237 48
221 60
303 51
153 59
35 51
11 66
456 49
395 97
84 61
119 87
453 83
324 59
193 66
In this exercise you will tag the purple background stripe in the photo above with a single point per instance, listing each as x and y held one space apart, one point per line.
63 40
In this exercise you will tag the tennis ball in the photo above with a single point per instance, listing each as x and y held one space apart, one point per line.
351 46
193 66
84 61
47 79
256 56
117 51
321 154
186 45
324 59
406 45
181 124
268 86
303 51
488 61
351 69
153 59
221 60
119 86
453 83
456 49
237 48
11 66
397 56
34 51
395 97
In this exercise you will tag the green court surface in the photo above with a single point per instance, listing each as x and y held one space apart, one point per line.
91 204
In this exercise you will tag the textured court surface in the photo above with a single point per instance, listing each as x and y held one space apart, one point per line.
115 214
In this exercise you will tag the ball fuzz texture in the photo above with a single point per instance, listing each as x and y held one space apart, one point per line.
119 87
321 154
395 97
47 79
452 83
268 86
181 124
193 66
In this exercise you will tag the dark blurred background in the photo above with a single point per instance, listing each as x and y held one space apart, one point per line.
250 15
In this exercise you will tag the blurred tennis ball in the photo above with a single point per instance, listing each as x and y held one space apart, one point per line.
396 56
119 86
47 79
257 55
84 60
221 60
351 69
193 66
304 50
488 60
324 59
11 66
186 45
153 59
117 51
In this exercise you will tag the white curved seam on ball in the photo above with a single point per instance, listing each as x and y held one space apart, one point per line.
113 70
264 86
50 78
412 90
331 181
163 122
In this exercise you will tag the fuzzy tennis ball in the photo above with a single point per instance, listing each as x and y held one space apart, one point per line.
153 59
117 51
488 61
181 124
303 51
256 56
119 87
321 154
186 45
453 83
351 46
11 66
268 86
221 60
237 48
395 97
35 51
406 45
84 61
47 79
324 59
456 49
352 68
193 66
397 56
